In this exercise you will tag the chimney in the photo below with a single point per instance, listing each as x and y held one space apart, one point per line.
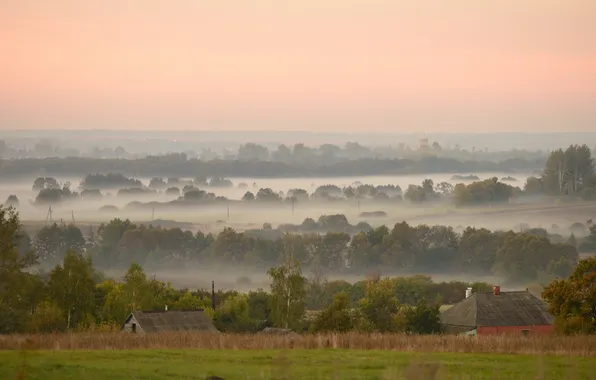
468 292
496 290
166 307
213 295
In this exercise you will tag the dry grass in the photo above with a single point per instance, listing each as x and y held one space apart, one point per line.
543 345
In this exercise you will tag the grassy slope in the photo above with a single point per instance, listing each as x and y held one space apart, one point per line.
292 364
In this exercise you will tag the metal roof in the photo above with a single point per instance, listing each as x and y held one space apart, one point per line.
173 320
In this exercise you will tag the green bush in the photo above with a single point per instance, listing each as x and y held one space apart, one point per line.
233 315
337 317
47 318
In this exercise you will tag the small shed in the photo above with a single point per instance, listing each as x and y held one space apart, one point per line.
164 320
279 331
496 312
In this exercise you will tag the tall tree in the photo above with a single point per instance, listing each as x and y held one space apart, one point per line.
379 305
71 287
567 172
137 289
288 294
573 300
15 283
555 173
52 242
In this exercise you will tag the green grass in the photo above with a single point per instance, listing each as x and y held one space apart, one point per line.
290 364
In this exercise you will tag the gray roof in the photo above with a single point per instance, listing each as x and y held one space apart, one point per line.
519 308
173 320
277 331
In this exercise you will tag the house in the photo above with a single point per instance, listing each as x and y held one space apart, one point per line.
496 312
164 320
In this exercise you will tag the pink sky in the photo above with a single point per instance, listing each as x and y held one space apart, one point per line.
331 65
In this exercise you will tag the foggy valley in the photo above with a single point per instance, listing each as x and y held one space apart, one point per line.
269 207
297 189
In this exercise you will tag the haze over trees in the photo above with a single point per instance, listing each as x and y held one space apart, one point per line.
570 172
333 147
73 294
109 180
183 166
331 244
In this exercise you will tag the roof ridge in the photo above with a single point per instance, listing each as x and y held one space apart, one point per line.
167 311
508 291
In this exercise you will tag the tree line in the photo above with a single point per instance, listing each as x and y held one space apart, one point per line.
298 152
75 295
566 173
181 166
519 257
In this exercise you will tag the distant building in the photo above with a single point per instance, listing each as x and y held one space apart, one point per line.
423 143
498 312
163 320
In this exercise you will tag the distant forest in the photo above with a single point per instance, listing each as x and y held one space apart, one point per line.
180 165
568 173
330 244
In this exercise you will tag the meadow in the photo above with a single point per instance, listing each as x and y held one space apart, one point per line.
328 356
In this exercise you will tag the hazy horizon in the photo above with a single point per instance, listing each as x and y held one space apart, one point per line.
329 66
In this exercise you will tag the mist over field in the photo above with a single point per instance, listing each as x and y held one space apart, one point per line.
213 174
265 206
242 215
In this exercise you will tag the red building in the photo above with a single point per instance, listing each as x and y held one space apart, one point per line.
497 312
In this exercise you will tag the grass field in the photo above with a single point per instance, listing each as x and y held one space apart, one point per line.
117 356
287 364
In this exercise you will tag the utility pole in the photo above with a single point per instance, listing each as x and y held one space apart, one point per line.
49 215
73 218
153 214
213 295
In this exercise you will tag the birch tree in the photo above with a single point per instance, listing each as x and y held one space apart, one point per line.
71 287
288 295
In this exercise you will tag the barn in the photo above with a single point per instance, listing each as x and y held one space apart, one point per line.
163 320
496 312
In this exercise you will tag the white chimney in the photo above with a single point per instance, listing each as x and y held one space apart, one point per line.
166 307
468 292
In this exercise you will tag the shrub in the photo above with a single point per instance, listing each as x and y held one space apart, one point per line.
47 318
233 315
336 317
422 318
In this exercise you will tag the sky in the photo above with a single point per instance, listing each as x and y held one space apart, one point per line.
316 65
